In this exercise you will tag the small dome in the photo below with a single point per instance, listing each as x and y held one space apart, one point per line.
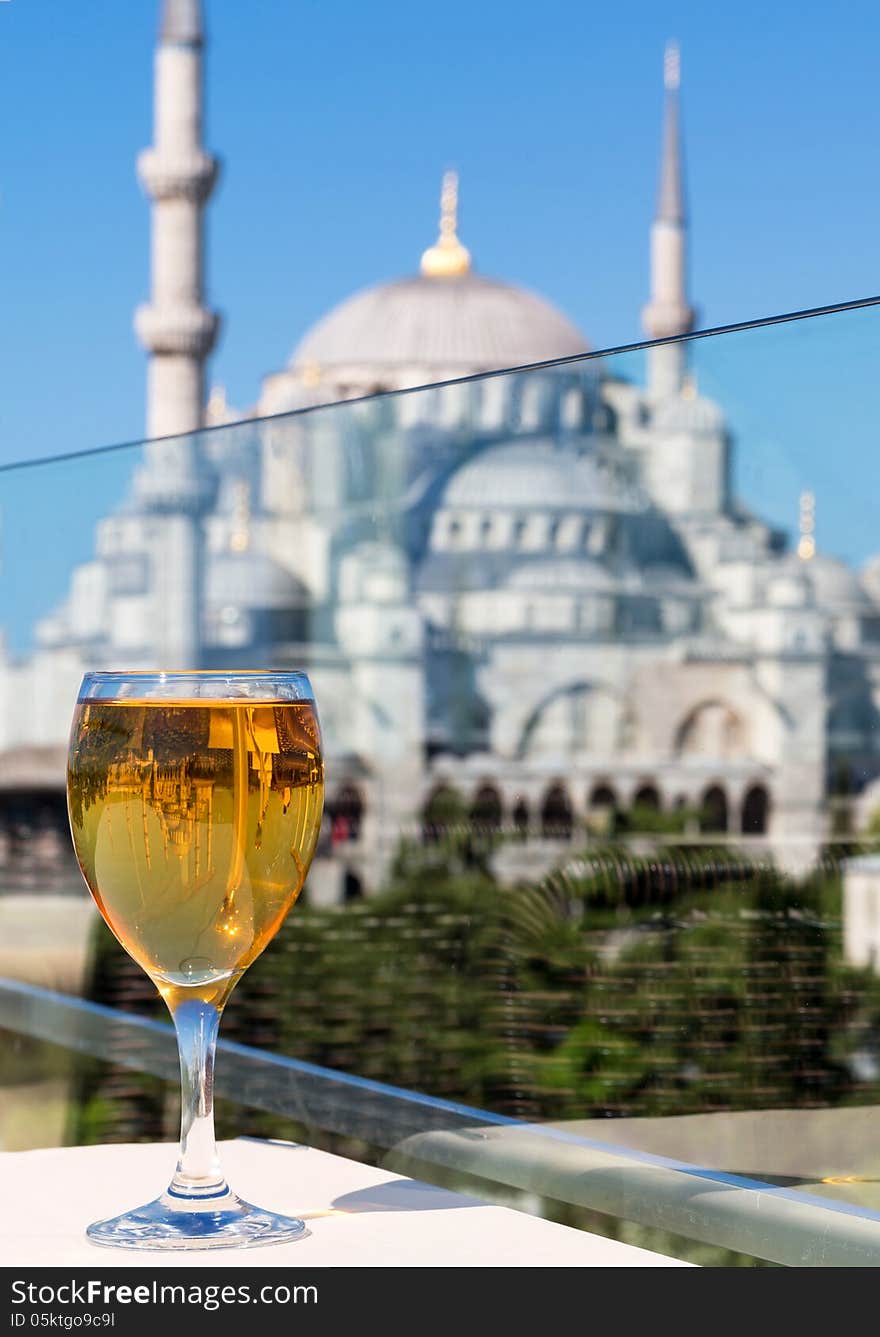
458 324
834 584
788 585
538 476
251 580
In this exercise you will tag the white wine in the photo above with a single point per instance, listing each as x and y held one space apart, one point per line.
194 823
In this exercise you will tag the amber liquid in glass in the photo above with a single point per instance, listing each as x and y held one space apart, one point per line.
194 824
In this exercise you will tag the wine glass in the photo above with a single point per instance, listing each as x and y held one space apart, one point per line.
195 801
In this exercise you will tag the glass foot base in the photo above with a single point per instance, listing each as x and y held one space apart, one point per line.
172 1222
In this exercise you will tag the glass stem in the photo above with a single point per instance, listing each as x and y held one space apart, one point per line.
198 1171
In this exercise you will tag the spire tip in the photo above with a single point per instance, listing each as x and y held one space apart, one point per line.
447 258
672 67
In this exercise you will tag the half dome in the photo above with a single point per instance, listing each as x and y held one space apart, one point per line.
251 580
538 475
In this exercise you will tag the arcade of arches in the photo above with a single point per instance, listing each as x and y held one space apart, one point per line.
556 813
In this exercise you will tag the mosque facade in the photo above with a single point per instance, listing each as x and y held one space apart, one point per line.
533 592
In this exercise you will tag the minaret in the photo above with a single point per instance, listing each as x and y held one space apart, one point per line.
176 328
178 332
668 312
806 548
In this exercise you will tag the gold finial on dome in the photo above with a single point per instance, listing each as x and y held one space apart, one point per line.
447 258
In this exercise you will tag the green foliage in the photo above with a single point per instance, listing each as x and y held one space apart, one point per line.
673 983
644 819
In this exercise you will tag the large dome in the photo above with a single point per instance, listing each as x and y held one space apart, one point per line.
460 324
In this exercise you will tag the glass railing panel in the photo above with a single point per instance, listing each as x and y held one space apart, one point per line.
596 652
124 1077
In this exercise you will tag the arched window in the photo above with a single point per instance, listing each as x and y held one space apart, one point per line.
556 816
520 816
352 889
755 811
486 809
647 797
348 812
602 796
713 816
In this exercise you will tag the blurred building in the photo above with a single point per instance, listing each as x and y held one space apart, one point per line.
535 589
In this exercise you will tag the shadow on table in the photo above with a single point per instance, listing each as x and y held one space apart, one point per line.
402 1196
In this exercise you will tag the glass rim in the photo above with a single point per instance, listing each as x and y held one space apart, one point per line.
287 678
195 673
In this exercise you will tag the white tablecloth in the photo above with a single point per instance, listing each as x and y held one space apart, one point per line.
357 1215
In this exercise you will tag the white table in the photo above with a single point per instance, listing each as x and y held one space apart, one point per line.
358 1215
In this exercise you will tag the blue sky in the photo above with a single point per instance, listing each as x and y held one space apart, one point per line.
335 121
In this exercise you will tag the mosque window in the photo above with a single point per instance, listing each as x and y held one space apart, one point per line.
347 815
556 814
519 532
647 796
352 887
713 811
486 527
596 537
486 811
755 810
602 796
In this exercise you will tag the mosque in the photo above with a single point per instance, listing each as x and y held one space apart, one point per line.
535 591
